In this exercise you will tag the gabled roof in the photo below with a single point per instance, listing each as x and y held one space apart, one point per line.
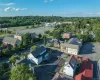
75 41
10 40
73 61
38 51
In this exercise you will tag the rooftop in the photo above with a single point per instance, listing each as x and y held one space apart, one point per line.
38 51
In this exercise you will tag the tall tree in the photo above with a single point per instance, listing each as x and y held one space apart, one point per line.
21 72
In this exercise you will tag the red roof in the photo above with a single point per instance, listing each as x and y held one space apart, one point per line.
86 70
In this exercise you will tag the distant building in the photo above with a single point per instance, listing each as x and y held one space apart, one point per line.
66 35
38 55
18 36
11 41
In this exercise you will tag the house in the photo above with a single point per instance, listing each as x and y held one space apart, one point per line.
66 68
85 71
18 36
69 48
11 41
72 46
38 55
66 35
56 43
75 41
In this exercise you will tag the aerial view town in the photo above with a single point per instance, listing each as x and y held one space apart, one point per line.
49 39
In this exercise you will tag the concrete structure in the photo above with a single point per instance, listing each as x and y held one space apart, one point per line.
38 55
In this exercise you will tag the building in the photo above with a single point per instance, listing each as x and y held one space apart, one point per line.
11 41
69 48
66 35
86 70
75 41
66 68
74 68
18 36
72 46
38 55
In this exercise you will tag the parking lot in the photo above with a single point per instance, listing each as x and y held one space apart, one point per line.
91 51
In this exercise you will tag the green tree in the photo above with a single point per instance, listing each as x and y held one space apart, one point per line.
6 52
13 59
4 71
97 33
33 48
25 54
21 72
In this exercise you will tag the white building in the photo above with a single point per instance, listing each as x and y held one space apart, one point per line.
38 55
70 66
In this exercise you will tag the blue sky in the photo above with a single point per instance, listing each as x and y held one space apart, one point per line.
69 8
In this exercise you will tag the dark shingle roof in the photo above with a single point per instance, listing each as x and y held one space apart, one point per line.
10 40
37 52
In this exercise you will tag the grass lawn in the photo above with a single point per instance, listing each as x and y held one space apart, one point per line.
2 35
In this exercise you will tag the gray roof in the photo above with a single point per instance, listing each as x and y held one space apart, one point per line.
11 40
70 45
75 41
37 52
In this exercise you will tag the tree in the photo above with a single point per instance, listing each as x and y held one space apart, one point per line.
44 38
4 71
25 54
13 59
47 32
6 52
21 72
97 33
33 48
26 39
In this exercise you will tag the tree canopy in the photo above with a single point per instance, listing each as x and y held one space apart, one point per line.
21 72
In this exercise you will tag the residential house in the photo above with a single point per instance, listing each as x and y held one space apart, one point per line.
18 36
56 43
71 47
38 55
85 71
66 69
75 41
11 41
66 35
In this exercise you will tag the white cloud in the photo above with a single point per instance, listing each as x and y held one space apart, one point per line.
14 9
8 4
6 9
48 1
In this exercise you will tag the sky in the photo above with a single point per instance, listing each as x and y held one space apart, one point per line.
68 8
